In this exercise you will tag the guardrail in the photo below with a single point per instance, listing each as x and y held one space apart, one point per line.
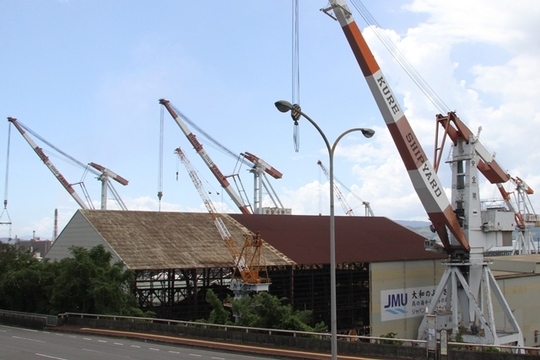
465 350
293 333
48 320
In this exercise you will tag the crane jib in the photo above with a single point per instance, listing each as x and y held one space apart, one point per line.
391 102
422 174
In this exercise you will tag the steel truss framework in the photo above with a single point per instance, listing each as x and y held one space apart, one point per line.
180 293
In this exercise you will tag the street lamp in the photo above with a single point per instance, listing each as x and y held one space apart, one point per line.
296 112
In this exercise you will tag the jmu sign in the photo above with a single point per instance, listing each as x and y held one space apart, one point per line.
399 304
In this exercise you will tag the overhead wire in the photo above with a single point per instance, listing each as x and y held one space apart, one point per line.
418 80
295 69
66 155
5 210
160 157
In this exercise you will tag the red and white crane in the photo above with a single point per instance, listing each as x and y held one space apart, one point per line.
260 169
248 261
103 174
222 179
524 216
460 224
49 164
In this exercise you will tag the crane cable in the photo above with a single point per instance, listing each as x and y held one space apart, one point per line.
5 211
73 160
400 58
295 71
160 160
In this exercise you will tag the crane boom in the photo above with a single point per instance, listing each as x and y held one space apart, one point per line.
456 130
263 165
49 164
421 173
467 286
109 173
206 158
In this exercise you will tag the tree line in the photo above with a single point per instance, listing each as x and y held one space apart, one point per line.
88 282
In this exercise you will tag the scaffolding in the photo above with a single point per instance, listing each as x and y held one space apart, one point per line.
180 294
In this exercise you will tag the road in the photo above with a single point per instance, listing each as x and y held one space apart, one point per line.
24 344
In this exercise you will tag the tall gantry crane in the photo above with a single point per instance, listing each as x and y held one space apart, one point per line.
250 274
467 283
103 173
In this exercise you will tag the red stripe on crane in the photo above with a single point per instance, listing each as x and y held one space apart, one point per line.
360 48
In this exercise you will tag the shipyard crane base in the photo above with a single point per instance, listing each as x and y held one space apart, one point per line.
241 289
457 310
524 243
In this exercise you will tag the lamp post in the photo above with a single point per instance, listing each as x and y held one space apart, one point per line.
296 112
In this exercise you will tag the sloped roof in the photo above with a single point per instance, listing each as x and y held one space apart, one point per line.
167 240
306 239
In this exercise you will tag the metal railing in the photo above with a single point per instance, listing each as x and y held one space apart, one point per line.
294 333
49 320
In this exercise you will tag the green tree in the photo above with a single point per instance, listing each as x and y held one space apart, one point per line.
264 311
86 282
218 315
89 283
25 280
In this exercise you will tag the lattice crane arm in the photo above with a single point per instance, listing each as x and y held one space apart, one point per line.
239 261
346 208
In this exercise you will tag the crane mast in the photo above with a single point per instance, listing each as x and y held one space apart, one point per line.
206 158
260 169
104 176
467 283
49 164
249 261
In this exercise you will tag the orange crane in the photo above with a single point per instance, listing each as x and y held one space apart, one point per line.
250 273
458 224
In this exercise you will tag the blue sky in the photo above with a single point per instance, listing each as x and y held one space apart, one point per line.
87 77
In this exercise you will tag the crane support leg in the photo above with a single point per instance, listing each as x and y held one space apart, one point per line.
469 314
